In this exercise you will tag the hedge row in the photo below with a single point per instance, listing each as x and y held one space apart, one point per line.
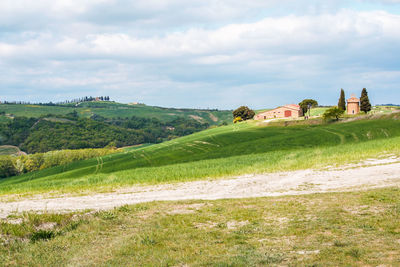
16 165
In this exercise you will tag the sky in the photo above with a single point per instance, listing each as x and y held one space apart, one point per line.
200 53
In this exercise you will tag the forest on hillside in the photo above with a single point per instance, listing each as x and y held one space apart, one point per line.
54 132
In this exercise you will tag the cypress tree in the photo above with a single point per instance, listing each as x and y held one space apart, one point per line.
365 105
342 101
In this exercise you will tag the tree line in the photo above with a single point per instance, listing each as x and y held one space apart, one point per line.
16 165
76 100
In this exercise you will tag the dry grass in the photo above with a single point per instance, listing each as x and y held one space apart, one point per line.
335 229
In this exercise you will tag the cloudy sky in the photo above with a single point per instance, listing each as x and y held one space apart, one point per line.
200 53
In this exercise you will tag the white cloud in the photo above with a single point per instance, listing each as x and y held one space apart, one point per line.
140 48
284 35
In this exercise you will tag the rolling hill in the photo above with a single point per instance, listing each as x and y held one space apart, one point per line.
114 110
229 150
98 124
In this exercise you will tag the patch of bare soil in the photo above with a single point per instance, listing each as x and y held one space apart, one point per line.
212 117
355 177
197 118
185 209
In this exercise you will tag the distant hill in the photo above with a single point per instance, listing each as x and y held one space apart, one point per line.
95 124
109 109
70 131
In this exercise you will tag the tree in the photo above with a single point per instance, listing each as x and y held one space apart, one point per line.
333 113
306 103
342 100
365 105
244 113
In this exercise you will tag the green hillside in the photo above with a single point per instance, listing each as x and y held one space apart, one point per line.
113 110
9 150
228 150
54 132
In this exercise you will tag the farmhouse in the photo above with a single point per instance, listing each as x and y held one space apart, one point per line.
287 111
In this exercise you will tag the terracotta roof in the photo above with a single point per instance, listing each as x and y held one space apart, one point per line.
353 99
292 107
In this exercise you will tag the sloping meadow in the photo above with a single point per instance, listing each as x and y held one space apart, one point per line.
224 151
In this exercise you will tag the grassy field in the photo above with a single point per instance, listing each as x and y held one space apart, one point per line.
230 150
4 119
385 109
111 109
333 229
318 111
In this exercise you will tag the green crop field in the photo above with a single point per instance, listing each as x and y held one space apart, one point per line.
229 150
112 109
331 229
318 111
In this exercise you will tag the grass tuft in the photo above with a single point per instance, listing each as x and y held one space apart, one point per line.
42 235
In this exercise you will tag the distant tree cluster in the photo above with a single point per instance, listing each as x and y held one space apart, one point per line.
76 100
18 102
91 98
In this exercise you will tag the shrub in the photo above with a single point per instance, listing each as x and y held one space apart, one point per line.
333 113
237 119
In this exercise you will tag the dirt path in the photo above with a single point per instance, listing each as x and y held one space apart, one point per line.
386 173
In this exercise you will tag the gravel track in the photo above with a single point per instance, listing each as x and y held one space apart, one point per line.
369 174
